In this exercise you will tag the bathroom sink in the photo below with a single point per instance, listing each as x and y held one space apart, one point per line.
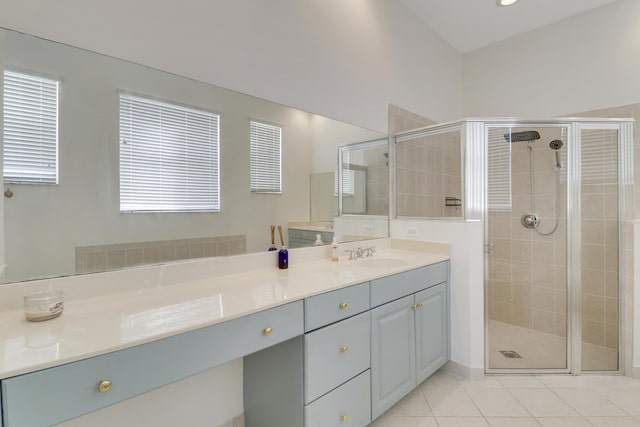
374 262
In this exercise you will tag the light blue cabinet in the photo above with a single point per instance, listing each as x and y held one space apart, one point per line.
341 358
432 330
409 336
393 361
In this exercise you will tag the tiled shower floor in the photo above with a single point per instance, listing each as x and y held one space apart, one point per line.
540 350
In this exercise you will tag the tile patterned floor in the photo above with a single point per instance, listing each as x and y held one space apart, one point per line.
445 400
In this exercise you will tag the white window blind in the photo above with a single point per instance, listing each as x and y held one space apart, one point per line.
599 156
265 143
169 157
30 132
499 172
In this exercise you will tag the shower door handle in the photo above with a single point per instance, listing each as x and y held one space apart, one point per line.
488 248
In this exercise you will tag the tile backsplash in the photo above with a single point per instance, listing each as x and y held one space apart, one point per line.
92 259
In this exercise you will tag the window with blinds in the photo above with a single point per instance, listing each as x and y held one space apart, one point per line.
265 143
599 156
499 172
30 134
169 157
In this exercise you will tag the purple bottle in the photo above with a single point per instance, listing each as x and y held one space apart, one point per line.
283 258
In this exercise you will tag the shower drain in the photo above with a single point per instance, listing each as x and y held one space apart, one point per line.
510 354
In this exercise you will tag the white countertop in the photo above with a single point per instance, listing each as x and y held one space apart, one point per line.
166 305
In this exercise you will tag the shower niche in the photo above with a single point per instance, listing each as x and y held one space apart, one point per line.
553 196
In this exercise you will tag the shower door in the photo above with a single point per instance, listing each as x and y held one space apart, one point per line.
526 248
557 196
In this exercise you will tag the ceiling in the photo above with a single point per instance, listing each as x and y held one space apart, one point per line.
471 24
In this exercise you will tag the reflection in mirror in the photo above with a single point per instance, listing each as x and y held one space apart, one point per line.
76 225
364 178
428 173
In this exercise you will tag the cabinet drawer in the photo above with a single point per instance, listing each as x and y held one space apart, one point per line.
321 310
393 287
348 405
336 353
56 394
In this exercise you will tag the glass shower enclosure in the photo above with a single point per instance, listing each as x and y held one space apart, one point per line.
553 196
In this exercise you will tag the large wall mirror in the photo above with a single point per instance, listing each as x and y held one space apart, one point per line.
77 225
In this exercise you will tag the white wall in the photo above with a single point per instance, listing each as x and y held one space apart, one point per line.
584 63
467 285
345 60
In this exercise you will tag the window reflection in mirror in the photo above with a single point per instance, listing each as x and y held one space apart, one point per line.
428 173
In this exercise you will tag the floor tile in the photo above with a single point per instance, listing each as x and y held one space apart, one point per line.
626 398
410 422
614 421
525 381
542 402
445 403
413 405
497 403
562 381
564 422
379 423
488 381
443 379
461 422
588 402
513 422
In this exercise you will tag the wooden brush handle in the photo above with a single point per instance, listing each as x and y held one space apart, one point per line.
280 233
273 237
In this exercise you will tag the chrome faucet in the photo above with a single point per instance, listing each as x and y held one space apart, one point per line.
360 252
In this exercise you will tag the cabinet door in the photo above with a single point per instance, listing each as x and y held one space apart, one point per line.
432 330
393 364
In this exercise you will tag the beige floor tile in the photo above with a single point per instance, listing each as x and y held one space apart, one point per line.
443 379
379 423
588 402
626 398
497 403
445 403
542 402
513 422
564 422
488 381
614 421
521 381
461 422
413 405
410 422
562 381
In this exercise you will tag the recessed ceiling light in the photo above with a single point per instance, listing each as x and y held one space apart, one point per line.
505 2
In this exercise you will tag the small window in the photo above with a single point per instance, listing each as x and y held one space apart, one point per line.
499 172
169 157
30 134
265 141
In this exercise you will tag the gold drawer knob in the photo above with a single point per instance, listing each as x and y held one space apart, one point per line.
414 306
344 349
104 386
343 305
267 331
344 417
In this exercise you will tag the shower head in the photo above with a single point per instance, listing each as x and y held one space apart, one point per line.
529 135
556 144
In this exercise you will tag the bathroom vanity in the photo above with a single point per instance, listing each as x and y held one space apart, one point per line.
327 344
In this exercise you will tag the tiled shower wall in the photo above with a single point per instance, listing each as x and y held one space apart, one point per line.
92 259
428 170
527 271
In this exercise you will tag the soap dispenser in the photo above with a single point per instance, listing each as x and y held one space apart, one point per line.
318 241
334 249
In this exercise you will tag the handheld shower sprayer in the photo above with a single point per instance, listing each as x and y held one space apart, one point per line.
556 145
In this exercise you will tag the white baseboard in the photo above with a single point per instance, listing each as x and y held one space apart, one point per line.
463 371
